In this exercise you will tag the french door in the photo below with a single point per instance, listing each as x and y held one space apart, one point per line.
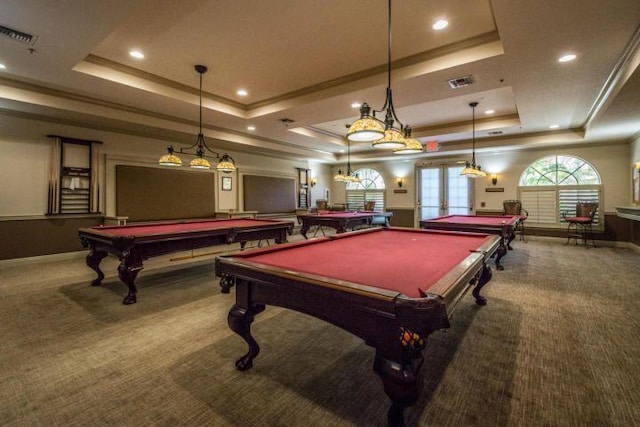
442 191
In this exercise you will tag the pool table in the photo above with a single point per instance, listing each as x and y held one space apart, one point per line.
392 287
133 244
341 221
502 225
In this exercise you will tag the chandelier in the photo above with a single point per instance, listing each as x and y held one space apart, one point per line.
225 164
350 176
383 134
473 170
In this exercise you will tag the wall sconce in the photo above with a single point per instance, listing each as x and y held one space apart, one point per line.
313 182
400 182
494 178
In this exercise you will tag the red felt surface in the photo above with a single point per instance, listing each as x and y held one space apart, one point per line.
402 261
476 220
185 227
579 219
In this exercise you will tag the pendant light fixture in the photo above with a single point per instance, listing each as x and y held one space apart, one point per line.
225 164
473 170
411 146
383 134
349 176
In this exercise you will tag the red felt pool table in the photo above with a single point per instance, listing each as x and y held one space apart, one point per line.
392 287
502 225
133 244
341 221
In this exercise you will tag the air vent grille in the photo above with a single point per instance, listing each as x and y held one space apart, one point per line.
18 35
459 82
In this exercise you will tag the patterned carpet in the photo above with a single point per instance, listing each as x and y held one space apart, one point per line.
557 345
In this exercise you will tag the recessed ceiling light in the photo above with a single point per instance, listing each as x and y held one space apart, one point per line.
251 128
342 151
440 24
242 92
356 105
489 111
566 58
554 126
136 54
2 67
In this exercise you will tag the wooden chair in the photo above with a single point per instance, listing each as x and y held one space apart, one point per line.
580 224
369 206
322 205
514 207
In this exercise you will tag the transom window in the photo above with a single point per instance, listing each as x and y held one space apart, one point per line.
553 185
370 189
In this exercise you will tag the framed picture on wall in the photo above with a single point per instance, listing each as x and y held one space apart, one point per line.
226 183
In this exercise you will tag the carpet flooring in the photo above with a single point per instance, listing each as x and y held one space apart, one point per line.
558 344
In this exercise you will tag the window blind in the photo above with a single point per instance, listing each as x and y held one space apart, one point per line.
569 197
356 199
545 206
541 206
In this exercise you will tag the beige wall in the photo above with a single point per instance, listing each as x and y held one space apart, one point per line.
635 150
25 156
610 160
24 169
25 149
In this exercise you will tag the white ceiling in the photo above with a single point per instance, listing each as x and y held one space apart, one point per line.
309 60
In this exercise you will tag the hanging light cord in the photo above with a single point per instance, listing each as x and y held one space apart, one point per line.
473 133
200 133
200 141
348 158
388 102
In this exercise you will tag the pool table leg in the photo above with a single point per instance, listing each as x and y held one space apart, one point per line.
93 261
240 320
500 252
402 384
480 280
512 235
128 271
282 237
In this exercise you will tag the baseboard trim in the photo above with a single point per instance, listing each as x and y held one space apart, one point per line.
563 240
44 258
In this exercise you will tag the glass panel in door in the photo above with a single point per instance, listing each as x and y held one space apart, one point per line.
443 192
457 192
430 192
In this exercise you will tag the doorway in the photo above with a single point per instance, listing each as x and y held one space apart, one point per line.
443 191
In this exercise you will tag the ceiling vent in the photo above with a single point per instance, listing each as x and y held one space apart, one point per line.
459 82
18 35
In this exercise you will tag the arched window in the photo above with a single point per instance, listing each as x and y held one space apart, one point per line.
559 170
554 184
370 189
